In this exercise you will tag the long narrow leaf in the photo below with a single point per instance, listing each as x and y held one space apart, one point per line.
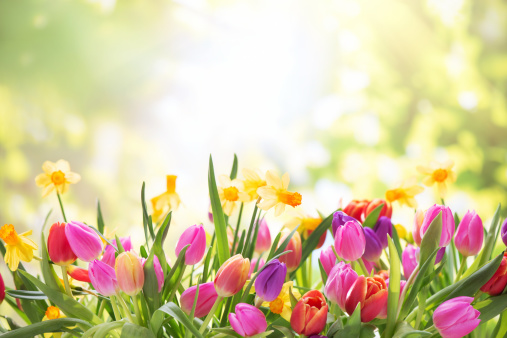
174 311
54 325
394 288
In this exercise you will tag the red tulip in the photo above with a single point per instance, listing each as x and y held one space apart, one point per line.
356 209
78 273
310 314
497 283
58 246
387 209
371 292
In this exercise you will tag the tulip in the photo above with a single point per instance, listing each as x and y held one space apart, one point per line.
447 223
129 272
338 284
78 273
158 272
470 234
310 314
497 283
254 267
356 209
232 275
196 237
263 237
386 211
373 247
269 282
350 241
58 246
84 242
205 300
103 278
339 219
2 289
327 259
371 292
383 228
409 259
456 317
504 232
384 274
109 251
416 230
292 259
248 320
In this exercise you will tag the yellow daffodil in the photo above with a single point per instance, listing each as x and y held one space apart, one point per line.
405 193
167 201
56 176
439 173
306 223
402 232
231 192
281 305
17 247
251 183
53 312
275 194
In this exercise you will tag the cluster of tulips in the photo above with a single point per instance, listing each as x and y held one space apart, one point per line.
375 279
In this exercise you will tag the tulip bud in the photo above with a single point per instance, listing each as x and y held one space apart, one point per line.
2 289
373 247
338 284
269 282
58 246
292 259
327 259
103 278
456 317
356 209
504 232
158 272
470 234
129 272
339 219
78 273
254 267
439 256
416 230
387 209
409 259
447 223
196 237
310 314
350 241
371 292
248 320
263 237
84 242
497 283
205 300
109 252
232 275
383 228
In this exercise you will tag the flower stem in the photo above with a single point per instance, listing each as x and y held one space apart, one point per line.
61 206
125 308
363 267
462 267
115 309
210 315
66 280
175 288
136 310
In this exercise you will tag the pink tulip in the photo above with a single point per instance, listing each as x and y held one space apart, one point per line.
103 278
253 264
447 223
470 234
409 259
340 279
263 237
205 300
328 259
84 242
456 318
196 237
350 241
158 270
416 230
109 251
2 289
232 275
248 320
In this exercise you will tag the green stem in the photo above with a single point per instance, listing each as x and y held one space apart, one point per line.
210 315
61 206
363 267
310 271
115 308
66 280
422 304
175 288
462 267
431 329
125 308
136 310
101 308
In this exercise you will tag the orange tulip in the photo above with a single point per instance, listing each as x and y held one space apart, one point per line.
371 292
310 314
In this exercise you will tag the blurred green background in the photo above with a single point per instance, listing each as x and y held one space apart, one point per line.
348 96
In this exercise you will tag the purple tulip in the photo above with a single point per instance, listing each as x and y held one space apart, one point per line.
373 247
248 320
196 237
103 278
456 317
84 242
439 256
350 241
383 228
470 234
340 279
109 251
504 232
270 281
327 259
409 259
447 223
205 300
339 219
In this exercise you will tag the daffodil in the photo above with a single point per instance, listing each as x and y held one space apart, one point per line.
17 247
402 232
439 173
306 223
251 183
275 194
405 193
53 312
56 176
281 305
167 201
231 192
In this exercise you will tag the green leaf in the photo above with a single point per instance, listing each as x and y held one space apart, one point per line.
147 223
100 220
286 332
53 325
218 217
234 170
26 294
372 217
174 311
404 330
102 329
286 241
205 272
335 327
323 273
367 331
67 304
274 246
353 327
119 246
431 239
394 288
174 273
48 272
491 307
396 240
130 330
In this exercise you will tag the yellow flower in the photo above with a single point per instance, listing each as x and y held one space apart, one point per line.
275 194
231 193
281 305
405 193
402 232
306 223
439 173
17 247
167 201
56 176
53 312
251 183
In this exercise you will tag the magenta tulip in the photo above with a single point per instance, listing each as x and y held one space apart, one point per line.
339 219
103 278
84 242
340 279
350 241
470 234
328 259
456 317
503 232
205 300
196 237
2 289
447 223
248 320
270 281
263 237
409 259
108 256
